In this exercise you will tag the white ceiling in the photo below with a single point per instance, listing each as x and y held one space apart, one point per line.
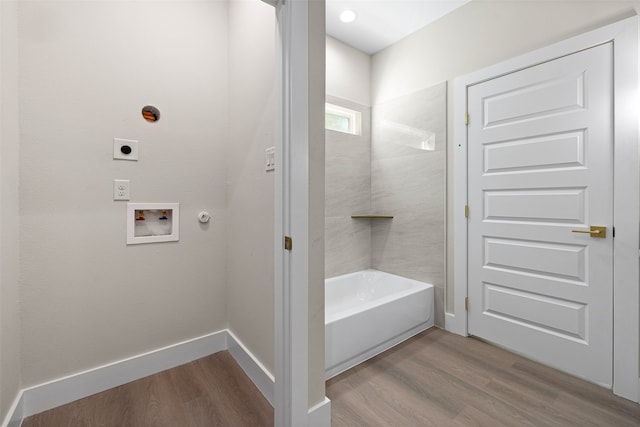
381 23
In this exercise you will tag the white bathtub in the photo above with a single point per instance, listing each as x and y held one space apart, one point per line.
370 311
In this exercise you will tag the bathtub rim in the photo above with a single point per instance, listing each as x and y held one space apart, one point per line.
416 286
373 270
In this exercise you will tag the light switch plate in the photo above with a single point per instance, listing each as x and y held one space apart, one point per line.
125 149
269 159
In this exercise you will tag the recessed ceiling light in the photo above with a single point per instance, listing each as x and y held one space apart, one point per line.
348 16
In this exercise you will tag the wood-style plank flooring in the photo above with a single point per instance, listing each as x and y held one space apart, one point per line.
434 379
440 379
212 391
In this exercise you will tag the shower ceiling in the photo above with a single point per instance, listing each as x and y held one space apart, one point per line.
380 23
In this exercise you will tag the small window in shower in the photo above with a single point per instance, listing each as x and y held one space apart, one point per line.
342 119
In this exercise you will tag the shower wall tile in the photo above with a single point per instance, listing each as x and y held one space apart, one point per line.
409 246
386 172
348 245
347 192
401 123
408 182
347 174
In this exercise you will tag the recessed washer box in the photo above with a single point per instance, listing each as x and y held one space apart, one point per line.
153 222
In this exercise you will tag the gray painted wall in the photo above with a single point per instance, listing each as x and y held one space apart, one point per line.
86 70
10 380
250 191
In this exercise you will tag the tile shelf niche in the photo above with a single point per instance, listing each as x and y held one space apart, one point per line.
371 216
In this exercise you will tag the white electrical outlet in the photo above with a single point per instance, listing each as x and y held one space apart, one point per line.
121 189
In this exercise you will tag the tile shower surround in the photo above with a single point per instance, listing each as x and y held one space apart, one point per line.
347 192
381 172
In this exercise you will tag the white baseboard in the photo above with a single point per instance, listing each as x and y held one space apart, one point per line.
455 324
73 387
320 414
42 397
261 377
16 412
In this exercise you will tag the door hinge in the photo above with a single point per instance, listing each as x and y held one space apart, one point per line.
466 211
466 119
466 303
613 232
288 243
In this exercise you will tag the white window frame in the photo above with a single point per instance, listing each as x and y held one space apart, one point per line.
354 117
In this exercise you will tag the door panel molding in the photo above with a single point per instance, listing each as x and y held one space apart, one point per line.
548 98
552 315
626 339
529 154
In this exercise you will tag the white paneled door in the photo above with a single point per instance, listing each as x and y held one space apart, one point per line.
540 172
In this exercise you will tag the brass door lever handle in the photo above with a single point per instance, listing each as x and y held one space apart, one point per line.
594 231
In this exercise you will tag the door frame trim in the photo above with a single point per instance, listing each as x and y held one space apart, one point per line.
299 202
291 302
626 295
